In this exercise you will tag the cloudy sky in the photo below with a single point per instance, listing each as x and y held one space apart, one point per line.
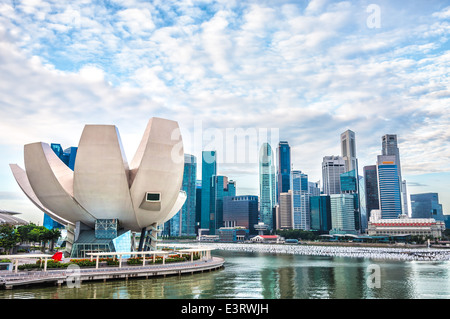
304 71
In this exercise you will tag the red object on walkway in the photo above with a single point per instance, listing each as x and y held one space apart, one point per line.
57 256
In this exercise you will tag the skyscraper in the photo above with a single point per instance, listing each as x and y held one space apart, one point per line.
332 168
209 169
300 200
221 188
342 213
320 213
426 206
267 187
241 211
389 146
348 150
284 211
388 187
371 188
284 168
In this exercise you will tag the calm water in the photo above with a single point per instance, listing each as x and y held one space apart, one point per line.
256 275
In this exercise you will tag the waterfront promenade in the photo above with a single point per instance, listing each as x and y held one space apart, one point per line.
9 279
418 254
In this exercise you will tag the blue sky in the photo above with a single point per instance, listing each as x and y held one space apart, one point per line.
307 69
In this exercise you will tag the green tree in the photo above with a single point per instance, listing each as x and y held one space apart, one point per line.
8 237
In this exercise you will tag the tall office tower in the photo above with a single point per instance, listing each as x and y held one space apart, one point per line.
320 213
371 188
183 223
426 205
348 150
209 169
332 168
241 211
284 215
389 146
221 188
267 187
284 168
300 200
362 204
189 186
388 187
198 204
313 188
342 213
350 185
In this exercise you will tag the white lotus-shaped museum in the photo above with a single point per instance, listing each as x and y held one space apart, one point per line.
102 185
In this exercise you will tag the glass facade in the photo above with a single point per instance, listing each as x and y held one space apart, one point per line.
426 206
220 189
371 189
332 168
300 200
122 243
267 187
183 223
284 168
241 211
209 169
320 213
389 187
106 228
342 213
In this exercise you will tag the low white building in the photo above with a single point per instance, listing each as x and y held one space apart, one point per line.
404 226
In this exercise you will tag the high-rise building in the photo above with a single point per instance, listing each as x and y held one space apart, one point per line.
371 188
426 205
209 169
342 213
284 168
183 223
389 146
284 211
300 200
267 186
198 204
348 150
332 168
388 187
221 188
241 211
320 213
350 185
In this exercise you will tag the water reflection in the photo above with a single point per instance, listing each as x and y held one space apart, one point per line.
269 276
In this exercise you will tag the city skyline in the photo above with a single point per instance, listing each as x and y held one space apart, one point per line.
316 70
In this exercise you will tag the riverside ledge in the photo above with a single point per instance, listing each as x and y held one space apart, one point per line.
9 280
417 254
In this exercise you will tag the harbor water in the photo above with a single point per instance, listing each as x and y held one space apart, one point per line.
273 275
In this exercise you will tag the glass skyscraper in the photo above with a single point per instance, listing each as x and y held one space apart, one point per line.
371 188
183 223
342 213
388 187
209 169
426 206
300 200
267 187
284 168
320 213
221 188
241 211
